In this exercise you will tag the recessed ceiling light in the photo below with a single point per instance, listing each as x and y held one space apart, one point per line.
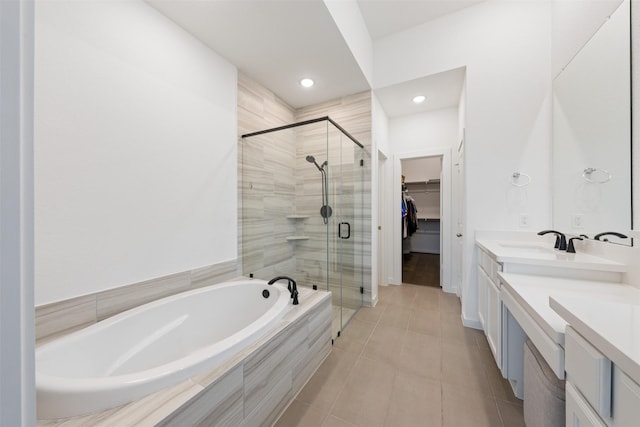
307 82
419 99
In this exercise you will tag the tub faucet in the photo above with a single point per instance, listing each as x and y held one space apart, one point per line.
561 239
291 285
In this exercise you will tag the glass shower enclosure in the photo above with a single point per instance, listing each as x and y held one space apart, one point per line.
302 195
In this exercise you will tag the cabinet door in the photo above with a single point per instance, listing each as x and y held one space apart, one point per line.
483 280
494 320
626 400
579 413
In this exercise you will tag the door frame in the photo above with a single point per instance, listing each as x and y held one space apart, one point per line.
446 223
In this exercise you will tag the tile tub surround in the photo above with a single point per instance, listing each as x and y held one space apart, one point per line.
76 313
250 389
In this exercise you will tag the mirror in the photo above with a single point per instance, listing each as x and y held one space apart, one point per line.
592 134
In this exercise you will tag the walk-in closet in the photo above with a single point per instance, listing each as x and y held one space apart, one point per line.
421 225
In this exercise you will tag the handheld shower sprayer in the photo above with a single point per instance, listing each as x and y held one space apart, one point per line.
312 159
325 210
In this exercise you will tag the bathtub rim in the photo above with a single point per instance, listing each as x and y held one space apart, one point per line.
155 408
47 383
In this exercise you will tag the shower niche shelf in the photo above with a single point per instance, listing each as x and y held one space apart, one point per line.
296 237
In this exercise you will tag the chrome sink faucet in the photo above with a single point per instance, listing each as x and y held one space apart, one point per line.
561 239
291 285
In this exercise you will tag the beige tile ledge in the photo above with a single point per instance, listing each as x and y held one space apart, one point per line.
59 318
152 409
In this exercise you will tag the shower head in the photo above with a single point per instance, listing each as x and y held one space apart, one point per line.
312 159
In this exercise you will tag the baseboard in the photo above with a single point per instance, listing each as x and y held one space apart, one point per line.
471 323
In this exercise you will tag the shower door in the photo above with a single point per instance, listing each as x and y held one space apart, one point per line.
301 203
345 230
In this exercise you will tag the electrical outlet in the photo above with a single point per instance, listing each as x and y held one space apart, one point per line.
577 221
524 220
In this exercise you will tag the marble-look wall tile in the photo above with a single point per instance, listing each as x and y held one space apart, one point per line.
269 364
117 300
220 404
65 315
213 274
295 183
274 402
266 184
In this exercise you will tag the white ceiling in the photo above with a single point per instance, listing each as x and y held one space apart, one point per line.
385 17
277 43
442 91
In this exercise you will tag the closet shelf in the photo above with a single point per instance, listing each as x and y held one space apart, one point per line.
435 181
294 238
297 216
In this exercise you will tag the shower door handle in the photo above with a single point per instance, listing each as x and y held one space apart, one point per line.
340 234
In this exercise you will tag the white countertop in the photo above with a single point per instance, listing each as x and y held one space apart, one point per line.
613 327
533 293
542 254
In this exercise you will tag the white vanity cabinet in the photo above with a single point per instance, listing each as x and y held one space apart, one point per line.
599 393
489 302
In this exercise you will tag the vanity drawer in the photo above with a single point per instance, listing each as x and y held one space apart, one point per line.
626 400
589 370
485 261
579 413
495 268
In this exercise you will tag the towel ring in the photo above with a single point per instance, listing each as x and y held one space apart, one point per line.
515 177
588 172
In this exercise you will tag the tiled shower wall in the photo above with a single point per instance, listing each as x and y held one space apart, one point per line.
278 182
266 183
352 113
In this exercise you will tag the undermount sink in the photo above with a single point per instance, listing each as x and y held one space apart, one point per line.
526 246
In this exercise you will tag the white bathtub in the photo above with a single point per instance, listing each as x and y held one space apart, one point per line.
145 349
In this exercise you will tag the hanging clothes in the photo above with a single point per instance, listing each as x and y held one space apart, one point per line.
409 216
412 216
404 216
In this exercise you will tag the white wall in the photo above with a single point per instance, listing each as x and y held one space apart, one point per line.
379 195
349 20
135 139
415 132
506 49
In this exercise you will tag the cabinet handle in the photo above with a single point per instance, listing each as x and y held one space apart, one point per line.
458 234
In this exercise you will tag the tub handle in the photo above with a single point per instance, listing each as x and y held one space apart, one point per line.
340 234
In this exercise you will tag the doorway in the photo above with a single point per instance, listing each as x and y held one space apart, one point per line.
421 220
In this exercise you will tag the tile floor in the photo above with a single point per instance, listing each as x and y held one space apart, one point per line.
407 362
340 315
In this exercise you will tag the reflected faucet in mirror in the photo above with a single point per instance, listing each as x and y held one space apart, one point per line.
609 233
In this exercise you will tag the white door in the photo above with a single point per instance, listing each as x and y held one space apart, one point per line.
458 215
382 203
